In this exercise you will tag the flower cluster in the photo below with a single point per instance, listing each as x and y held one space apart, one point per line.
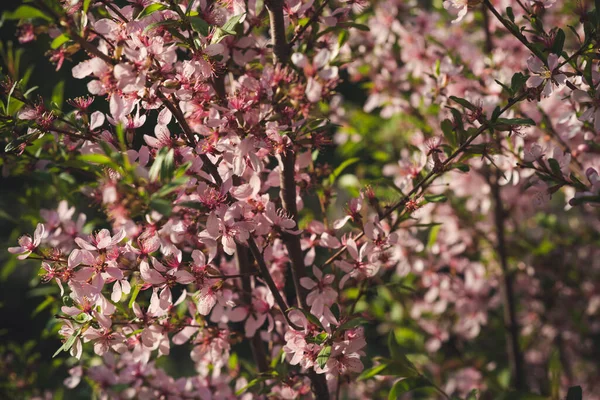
224 230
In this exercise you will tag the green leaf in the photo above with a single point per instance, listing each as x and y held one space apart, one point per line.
555 167
96 159
164 207
448 129
350 324
400 365
68 343
166 23
251 384
460 166
473 394
86 6
43 305
354 25
25 12
163 166
394 347
134 295
496 113
575 392
59 41
199 25
559 42
587 73
58 94
517 82
433 235
171 186
321 337
230 25
196 205
508 89
515 121
463 102
371 372
323 356
435 198
152 8
310 317
510 14
338 171
406 385
8 268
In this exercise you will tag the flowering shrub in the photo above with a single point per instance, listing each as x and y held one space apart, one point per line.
279 185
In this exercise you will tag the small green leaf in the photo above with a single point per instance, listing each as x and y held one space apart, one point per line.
338 171
152 8
515 121
510 14
59 41
559 42
25 12
199 25
406 385
435 198
448 130
43 305
196 205
58 94
555 167
250 384
164 207
354 25
353 323
134 295
230 25
86 6
517 82
496 113
310 317
323 356
96 159
371 372
68 343
463 102
171 186
433 235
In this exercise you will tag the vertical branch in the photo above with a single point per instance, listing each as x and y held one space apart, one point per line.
292 242
489 44
515 356
242 259
287 163
281 49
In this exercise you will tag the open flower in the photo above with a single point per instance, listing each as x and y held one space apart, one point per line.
27 245
592 113
546 75
322 295
462 6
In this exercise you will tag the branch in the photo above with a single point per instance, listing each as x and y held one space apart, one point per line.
312 19
292 242
514 31
515 356
281 50
256 344
430 177
264 270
